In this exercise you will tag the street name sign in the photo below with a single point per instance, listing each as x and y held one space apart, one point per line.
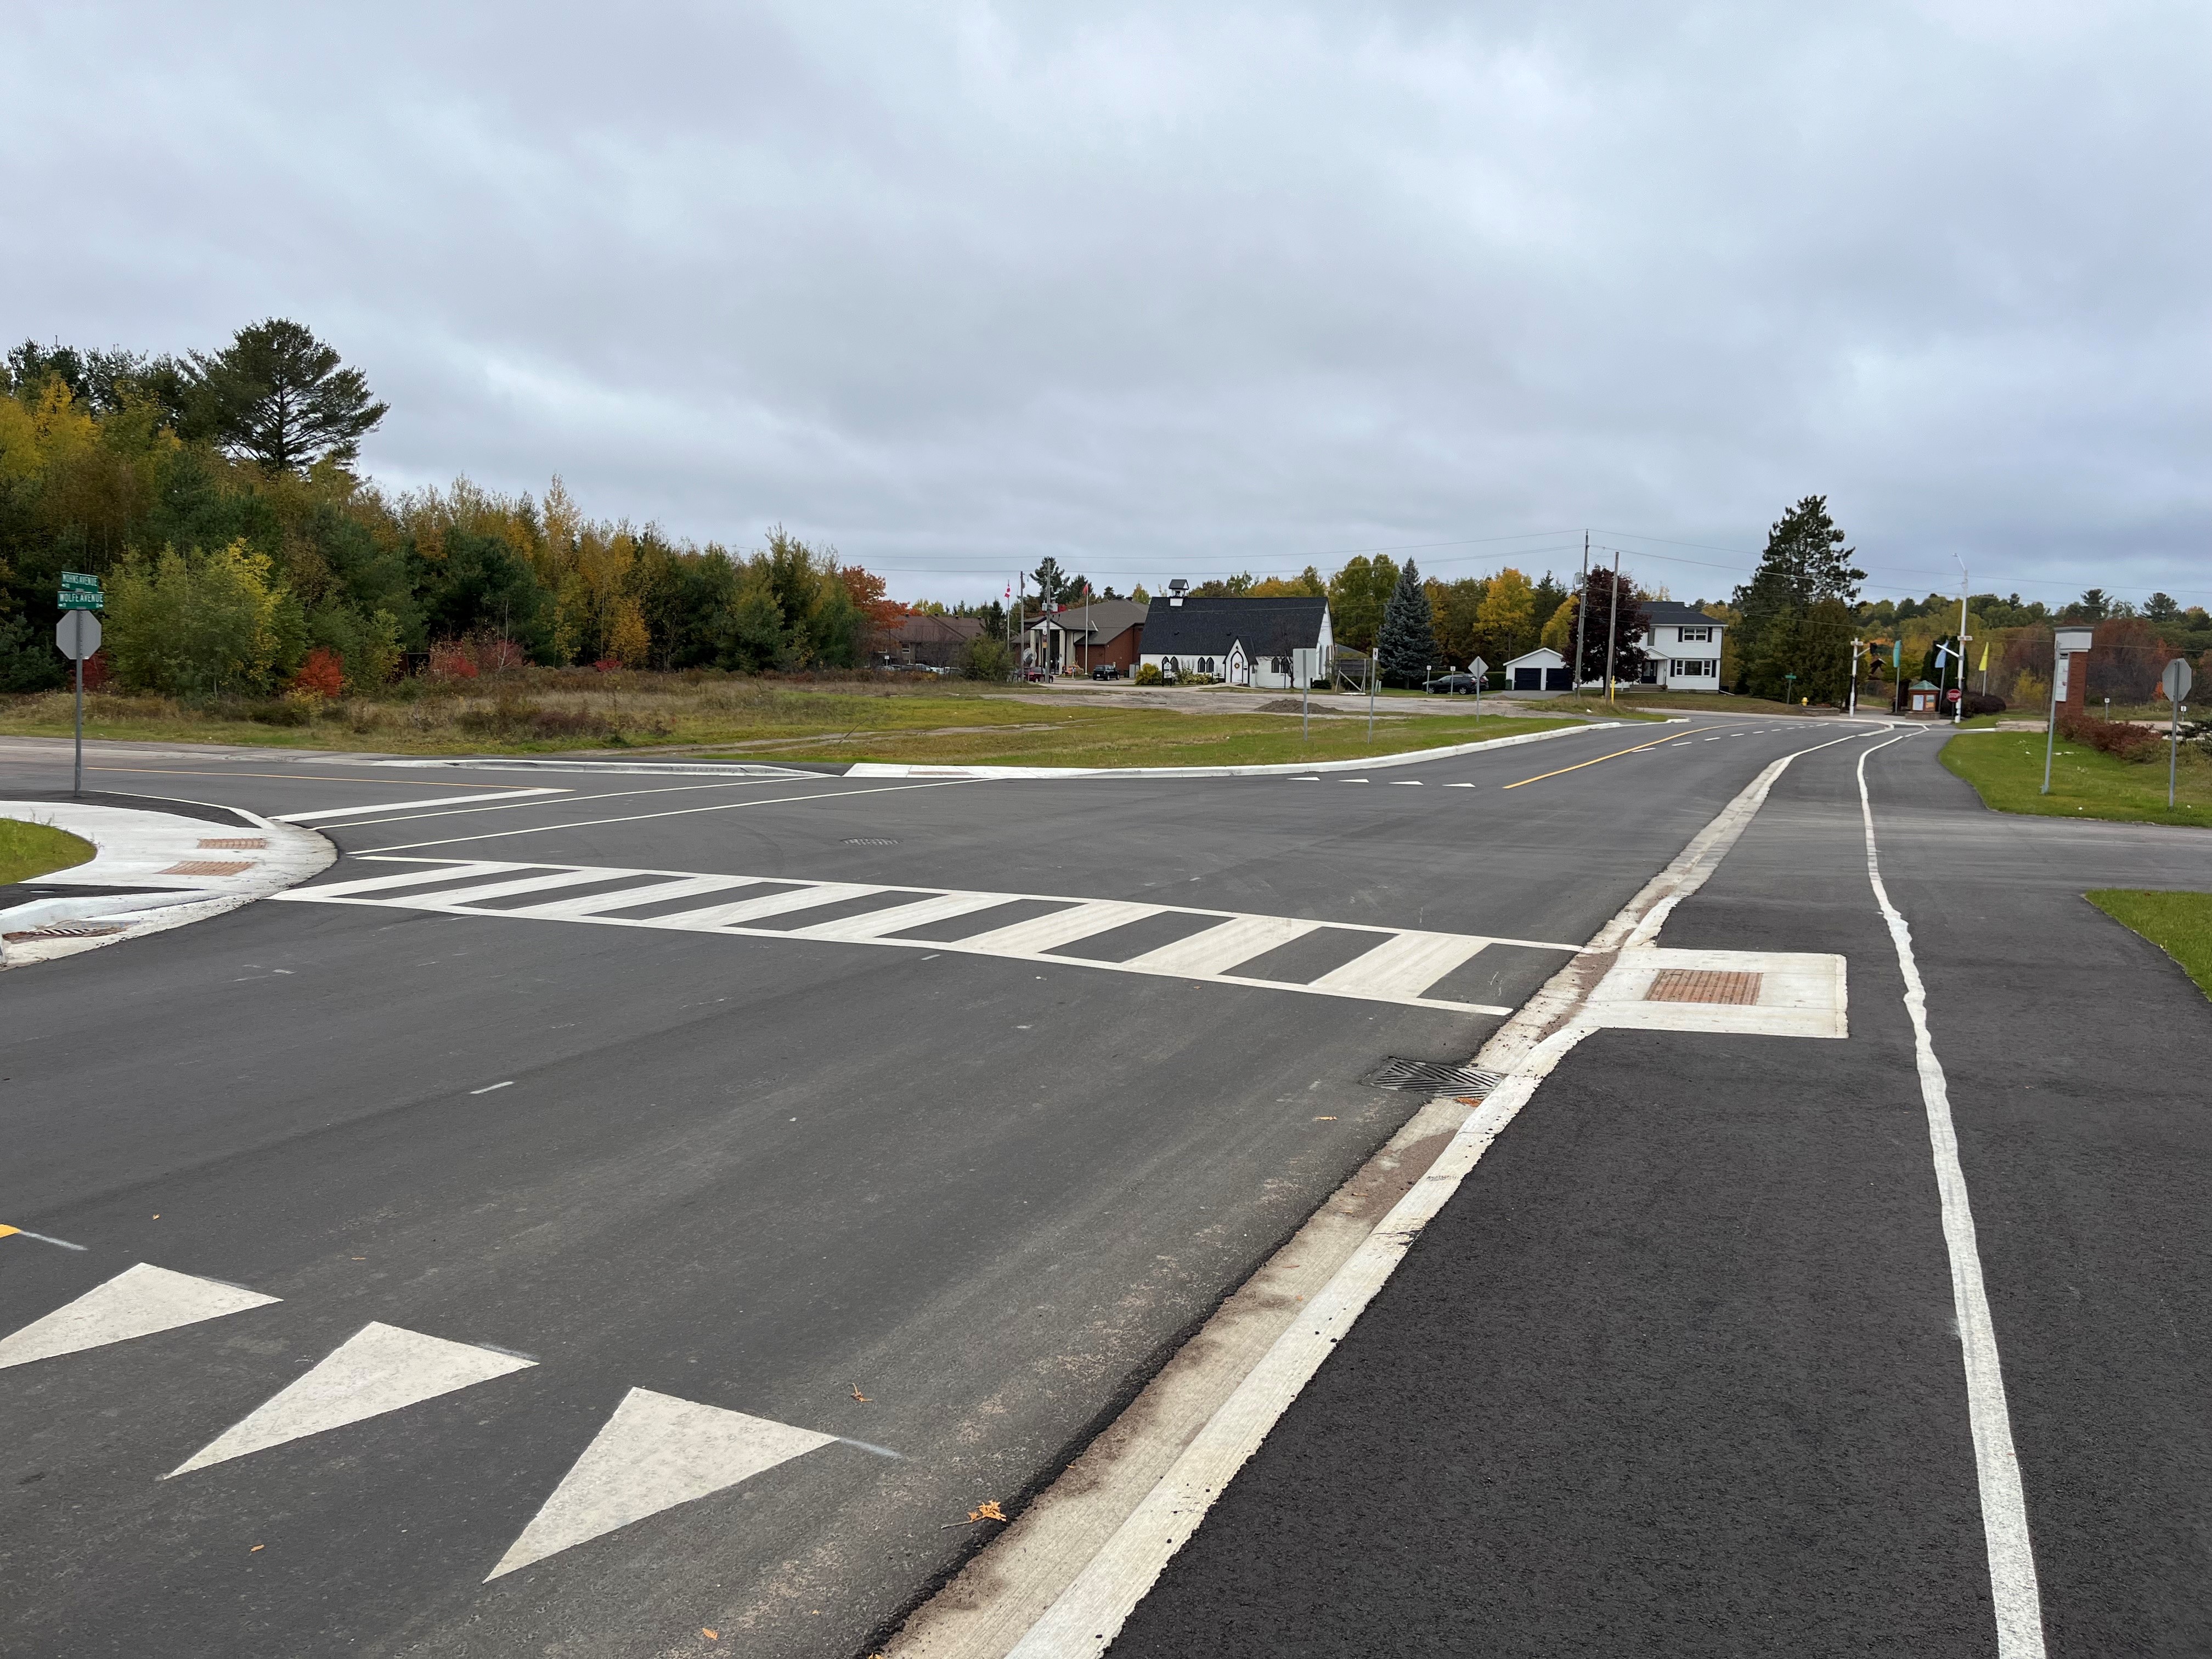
81 592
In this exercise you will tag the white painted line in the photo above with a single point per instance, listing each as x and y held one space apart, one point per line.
2012 1583
138 1302
1042 933
379 1369
489 1087
1459 786
599 903
404 806
674 813
775 904
1217 949
1404 966
1406 783
855 930
441 871
574 798
655 1452
456 897
43 1238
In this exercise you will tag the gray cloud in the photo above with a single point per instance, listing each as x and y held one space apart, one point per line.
1173 290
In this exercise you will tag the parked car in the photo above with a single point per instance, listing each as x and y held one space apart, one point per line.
1037 675
1106 670
1451 685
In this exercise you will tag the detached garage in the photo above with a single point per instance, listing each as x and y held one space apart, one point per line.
1541 669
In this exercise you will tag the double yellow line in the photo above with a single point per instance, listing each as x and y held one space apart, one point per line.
1670 738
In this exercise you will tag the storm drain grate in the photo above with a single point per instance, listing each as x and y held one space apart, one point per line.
67 930
869 840
1703 985
233 843
1435 1076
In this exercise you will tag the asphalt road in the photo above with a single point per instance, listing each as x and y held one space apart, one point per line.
1678 1372
988 1187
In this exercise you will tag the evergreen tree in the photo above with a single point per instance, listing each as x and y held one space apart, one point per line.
275 394
1405 648
1805 568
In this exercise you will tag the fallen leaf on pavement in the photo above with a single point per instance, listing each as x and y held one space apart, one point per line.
855 1388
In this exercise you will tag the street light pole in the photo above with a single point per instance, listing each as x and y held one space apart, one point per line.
1959 714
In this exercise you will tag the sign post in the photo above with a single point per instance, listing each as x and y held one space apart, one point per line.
2065 644
2175 684
78 635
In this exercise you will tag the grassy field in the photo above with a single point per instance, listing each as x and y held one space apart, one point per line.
2005 768
37 849
1130 737
2179 924
886 718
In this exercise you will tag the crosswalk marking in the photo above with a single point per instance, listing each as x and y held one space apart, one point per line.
775 904
1220 948
1406 965
655 1452
854 930
1400 966
138 1302
380 1368
595 903
1042 933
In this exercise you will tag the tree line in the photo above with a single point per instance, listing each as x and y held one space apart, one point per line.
213 493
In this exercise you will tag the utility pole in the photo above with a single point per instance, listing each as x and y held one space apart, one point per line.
1582 615
1611 619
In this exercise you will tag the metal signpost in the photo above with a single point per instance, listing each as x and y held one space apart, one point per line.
77 634
2067 643
2175 683
1481 669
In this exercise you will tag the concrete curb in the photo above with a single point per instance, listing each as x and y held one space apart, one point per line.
145 851
1408 757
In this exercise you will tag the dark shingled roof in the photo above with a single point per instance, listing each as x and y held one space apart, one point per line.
1203 627
1667 613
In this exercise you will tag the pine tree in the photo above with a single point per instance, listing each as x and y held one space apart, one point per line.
1405 648
278 395
1805 566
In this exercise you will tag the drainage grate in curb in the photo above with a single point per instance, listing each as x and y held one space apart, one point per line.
67 930
869 841
1436 1076
233 843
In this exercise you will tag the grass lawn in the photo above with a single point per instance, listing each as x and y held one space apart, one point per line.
2005 768
2179 924
37 849
905 718
1145 737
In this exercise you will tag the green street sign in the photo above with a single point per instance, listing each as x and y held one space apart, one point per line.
80 592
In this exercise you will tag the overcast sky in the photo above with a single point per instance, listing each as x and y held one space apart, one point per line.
1183 290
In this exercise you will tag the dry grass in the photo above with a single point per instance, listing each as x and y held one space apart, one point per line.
879 717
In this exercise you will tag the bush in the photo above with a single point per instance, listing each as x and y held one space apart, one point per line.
323 674
986 658
2129 742
203 625
1149 674
28 662
1982 702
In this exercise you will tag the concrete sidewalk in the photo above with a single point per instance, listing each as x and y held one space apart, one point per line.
157 865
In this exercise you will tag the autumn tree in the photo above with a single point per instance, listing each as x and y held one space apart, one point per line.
1505 627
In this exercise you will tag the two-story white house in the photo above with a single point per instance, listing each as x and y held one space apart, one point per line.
1682 652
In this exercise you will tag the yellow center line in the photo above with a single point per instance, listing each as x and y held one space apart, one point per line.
1670 738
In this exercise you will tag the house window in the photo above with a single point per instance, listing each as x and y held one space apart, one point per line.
1695 636
1696 668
